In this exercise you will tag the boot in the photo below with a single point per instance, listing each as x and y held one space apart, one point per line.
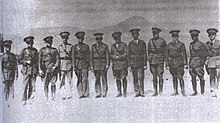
160 85
182 86
46 92
155 87
202 85
194 86
118 82
175 85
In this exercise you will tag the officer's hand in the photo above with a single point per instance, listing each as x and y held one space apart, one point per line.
167 68
129 68
145 67
16 78
116 57
53 68
186 67
28 62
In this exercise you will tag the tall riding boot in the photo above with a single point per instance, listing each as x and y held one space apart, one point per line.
182 86
53 91
155 86
118 82
194 86
46 92
202 86
160 85
124 87
175 82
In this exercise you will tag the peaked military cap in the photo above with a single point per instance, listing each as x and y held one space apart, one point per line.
135 30
64 34
212 31
7 43
175 33
116 34
194 32
29 38
156 30
98 34
48 39
80 34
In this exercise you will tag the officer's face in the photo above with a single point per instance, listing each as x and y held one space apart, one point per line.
155 35
99 39
194 37
65 38
49 44
117 39
30 43
135 36
212 36
7 49
175 38
81 39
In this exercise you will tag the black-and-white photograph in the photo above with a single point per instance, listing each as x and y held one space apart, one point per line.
109 61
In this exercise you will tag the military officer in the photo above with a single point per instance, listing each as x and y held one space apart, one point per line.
213 65
198 54
29 59
157 52
66 68
119 54
99 62
81 55
49 66
9 70
137 55
176 60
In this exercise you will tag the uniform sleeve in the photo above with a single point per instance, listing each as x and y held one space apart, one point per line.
167 57
129 55
183 51
57 64
112 56
16 66
145 54
36 57
164 51
21 58
2 62
73 53
204 51
88 53
107 56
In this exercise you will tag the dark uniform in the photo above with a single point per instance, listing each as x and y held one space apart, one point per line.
176 60
9 69
119 54
99 62
29 59
213 64
198 54
137 55
156 57
66 66
49 66
81 55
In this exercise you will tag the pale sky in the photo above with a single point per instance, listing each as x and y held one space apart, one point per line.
19 16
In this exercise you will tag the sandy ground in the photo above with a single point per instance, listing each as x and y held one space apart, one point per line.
164 108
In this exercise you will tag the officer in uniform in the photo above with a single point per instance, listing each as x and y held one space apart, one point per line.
9 70
29 59
66 69
213 64
157 52
81 55
137 56
49 62
198 55
99 63
119 54
176 60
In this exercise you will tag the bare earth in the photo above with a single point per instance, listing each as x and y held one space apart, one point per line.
160 109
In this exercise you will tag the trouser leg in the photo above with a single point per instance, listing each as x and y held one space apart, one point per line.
175 83
160 83
182 85
118 83
194 84
141 80
124 86
85 83
104 82
135 80
97 83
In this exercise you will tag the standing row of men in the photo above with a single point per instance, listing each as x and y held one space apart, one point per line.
49 63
